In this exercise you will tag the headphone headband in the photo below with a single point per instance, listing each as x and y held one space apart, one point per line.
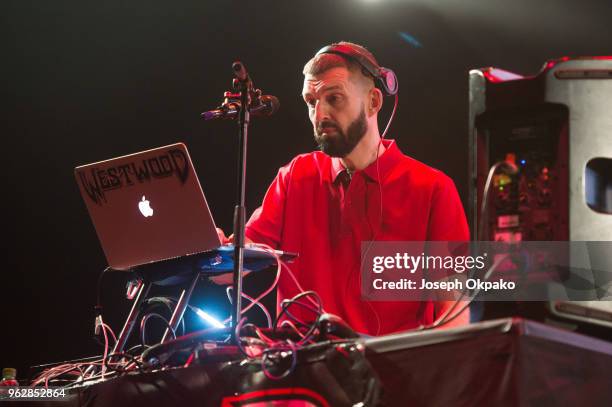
385 79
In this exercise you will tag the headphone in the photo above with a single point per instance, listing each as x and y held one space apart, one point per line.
384 78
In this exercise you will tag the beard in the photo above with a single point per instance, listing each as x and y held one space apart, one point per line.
341 143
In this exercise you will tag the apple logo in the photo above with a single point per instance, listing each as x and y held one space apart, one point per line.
145 208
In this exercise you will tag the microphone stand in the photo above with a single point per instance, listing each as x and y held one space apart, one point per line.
244 99
245 87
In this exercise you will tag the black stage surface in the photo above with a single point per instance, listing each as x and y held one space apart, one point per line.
505 362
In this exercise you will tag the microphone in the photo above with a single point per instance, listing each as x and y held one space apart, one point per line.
267 106
240 71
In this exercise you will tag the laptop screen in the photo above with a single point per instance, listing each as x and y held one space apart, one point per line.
148 206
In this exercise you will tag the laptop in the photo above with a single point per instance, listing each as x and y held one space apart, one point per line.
149 207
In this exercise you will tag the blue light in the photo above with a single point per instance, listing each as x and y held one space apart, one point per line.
410 39
523 162
209 318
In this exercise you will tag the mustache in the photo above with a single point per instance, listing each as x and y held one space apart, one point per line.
327 124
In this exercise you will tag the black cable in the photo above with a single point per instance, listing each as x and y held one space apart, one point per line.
511 169
143 325
293 318
287 303
133 349
312 327
168 302
118 369
317 310
237 331
277 351
98 306
486 277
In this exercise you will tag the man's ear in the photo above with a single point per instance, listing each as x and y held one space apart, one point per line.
375 100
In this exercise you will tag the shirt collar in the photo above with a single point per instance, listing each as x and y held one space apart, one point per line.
386 161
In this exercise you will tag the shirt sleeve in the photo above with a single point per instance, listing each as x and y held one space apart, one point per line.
447 221
266 222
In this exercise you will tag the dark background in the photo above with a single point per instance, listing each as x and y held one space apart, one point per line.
84 81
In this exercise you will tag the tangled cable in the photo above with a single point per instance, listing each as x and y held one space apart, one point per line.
272 353
82 370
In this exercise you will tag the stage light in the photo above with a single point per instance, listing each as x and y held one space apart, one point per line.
410 39
209 318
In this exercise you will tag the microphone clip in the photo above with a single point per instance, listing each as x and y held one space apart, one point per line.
243 93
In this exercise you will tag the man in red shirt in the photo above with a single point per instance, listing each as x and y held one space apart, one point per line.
359 187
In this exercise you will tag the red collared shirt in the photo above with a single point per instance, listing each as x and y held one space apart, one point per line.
315 208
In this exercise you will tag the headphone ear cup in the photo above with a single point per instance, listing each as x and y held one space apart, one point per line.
388 81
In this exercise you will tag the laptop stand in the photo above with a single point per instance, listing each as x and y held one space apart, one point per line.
187 269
